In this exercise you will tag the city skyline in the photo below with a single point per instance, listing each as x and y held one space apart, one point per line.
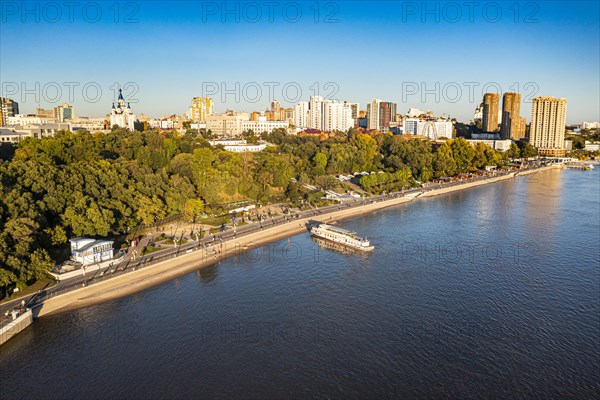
166 67
190 112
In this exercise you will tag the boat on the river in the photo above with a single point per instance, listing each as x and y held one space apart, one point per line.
341 236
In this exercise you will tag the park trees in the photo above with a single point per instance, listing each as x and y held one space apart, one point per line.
103 184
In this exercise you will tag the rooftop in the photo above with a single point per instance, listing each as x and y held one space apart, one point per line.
94 244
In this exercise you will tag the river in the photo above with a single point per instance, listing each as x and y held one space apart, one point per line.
489 292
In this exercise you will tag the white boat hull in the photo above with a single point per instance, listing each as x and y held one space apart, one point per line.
341 237
361 248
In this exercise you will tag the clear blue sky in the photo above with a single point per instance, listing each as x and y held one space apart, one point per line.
389 50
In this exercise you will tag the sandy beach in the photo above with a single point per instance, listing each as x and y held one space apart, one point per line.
147 277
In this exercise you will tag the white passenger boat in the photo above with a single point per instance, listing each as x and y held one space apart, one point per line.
341 236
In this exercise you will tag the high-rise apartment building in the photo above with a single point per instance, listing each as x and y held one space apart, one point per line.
547 131
337 116
201 108
301 115
323 114
490 112
373 114
315 113
355 107
380 114
8 108
387 114
522 132
511 117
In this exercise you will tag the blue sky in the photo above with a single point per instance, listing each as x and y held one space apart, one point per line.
437 55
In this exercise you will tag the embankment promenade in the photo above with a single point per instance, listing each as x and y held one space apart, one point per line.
201 256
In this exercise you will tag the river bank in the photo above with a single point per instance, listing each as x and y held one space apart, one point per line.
150 276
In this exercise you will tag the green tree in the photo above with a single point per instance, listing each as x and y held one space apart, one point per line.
443 162
367 151
463 154
319 163
513 151
193 208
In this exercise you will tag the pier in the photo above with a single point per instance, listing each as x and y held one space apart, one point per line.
579 165
15 322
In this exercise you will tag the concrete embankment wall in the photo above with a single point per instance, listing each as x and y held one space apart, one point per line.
515 174
152 275
12 328
86 269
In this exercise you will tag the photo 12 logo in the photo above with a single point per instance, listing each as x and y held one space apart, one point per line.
68 92
69 11
453 12
453 92
255 92
325 12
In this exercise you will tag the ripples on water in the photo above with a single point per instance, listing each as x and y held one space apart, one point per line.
492 292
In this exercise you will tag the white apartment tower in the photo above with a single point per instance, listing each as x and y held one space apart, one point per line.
373 114
301 115
315 112
329 115
323 114
337 116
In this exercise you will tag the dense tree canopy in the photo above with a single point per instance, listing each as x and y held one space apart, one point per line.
106 184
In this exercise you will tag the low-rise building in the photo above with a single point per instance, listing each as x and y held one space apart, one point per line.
17 133
43 130
64 112
263 125
414 112
228 124
590 125
592 146
486 136
240 146
246 148
26 119
11 136
91 251
90 124
500 145
198 125
433 129
40 112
